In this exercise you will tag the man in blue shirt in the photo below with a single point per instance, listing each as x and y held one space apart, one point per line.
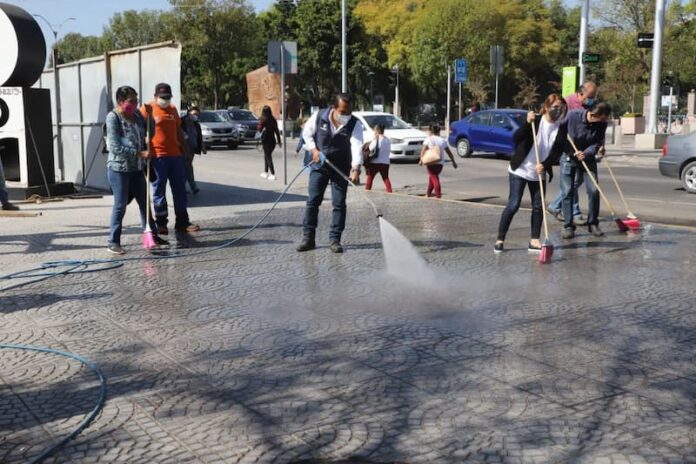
587 129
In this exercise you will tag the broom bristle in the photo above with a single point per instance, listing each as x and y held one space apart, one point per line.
546 253
632 223
149 240
621 225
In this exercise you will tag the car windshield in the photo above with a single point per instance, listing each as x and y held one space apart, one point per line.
211 116
386 120
519 118
242 116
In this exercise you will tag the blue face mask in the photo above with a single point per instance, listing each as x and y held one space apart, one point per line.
589 103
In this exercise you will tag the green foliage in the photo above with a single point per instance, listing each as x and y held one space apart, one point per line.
74 47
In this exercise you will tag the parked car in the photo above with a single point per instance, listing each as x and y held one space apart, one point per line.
487 131
217 129
245 122
406 142
679 160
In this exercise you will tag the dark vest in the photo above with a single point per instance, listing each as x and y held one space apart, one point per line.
336 147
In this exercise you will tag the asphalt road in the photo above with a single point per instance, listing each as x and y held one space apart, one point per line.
483 179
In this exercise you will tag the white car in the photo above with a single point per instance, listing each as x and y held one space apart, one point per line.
406 142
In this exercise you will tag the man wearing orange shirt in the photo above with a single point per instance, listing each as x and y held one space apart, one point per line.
168 148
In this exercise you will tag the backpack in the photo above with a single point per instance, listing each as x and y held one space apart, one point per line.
371 155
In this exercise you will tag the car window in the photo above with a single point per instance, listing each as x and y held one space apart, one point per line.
480 119
211 116
242 116
386 120
500 121
519 118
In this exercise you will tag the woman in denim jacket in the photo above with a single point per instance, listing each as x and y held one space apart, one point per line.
125 141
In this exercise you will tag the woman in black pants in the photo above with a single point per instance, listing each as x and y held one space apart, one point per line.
268 126
524 171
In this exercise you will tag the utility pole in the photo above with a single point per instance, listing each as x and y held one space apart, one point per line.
656 66
460 102
397 106
449 99
584 24
344 56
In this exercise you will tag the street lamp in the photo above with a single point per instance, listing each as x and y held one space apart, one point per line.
372 98
397 108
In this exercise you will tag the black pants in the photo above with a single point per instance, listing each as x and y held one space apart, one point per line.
268 148
517 185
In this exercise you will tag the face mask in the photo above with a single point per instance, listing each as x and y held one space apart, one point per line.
163 102
193 117
343 119
128 107
589 103
555 113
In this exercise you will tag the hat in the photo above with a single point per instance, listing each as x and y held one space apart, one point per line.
163 90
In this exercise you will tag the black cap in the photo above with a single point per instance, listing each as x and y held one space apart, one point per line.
163 90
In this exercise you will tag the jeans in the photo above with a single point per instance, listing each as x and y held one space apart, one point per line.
434 171
172 169
569 170
126 185
268 157
517 185
318 181
557 204
4 196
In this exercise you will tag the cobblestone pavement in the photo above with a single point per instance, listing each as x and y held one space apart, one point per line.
257 354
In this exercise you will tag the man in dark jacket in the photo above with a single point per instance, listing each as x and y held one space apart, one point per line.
587 129
194 139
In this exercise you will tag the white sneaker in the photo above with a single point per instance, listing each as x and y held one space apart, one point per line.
264 175
271 177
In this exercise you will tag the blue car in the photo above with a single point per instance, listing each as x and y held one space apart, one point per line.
487 131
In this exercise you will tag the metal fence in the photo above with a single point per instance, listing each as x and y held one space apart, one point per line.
85 96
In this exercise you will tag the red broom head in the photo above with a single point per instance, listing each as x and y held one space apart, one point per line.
632 223
621 225
149 240
546 253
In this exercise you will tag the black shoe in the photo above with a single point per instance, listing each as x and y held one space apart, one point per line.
9 207
335 246
115 249
162 230
595 230
498 247
568 233
532 249
306 245
160 241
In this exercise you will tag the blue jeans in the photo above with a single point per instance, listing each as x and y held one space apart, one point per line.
318 181
569 170
517 185
126 186
557 204
172 169
4 196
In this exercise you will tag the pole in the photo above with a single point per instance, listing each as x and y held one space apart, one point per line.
656 66
282 110
669 111
460 102
344 57
56 97
449 99
397 106
496 87
584 24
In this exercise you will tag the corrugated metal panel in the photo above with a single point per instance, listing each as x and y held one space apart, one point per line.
94 108
162 65
68 81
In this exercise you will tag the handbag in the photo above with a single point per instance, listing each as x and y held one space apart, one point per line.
432 155
370 155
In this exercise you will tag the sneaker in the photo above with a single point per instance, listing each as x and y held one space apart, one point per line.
568 233
498 248
271 177
580 220
9 207
556 214
595 230
264 175
532 249
189 228
115 249
162 230
306 245
160 241
335 246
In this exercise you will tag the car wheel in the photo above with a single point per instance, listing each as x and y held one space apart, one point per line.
208 146
688 177
463 148
232 146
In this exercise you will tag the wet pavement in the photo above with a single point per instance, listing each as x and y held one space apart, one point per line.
255 353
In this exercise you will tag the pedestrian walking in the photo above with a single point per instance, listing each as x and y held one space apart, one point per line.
584 97
377 159
268 127
338 135
169 149
524 171
436 145
194 139
125 142
4 194
587 129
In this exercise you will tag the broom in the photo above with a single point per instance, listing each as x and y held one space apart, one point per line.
547 246
619 223
148 237
631 220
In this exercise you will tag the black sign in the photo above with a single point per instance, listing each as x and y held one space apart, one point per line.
645 40
590 58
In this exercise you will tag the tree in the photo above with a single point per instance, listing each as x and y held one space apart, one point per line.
73 47
528 95
134 28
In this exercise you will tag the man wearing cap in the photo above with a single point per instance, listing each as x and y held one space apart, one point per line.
168 148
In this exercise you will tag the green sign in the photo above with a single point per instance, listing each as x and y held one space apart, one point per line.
570 80
590 58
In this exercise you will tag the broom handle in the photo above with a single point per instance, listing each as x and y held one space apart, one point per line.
592 178
618 188
541 184
147 180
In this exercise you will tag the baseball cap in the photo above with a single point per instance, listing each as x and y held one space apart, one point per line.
163 90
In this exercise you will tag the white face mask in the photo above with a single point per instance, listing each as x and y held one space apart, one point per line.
163 103
343 119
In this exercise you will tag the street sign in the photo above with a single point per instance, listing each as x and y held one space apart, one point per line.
590 58
570 80
288 52
461 71
645 40
665 100
497 59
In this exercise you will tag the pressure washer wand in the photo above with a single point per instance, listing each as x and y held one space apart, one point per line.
332 166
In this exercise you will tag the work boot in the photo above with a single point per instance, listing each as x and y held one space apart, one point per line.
595 230
162 230
568 233
580 220
160 241
335 246
9 207
306 245
187 229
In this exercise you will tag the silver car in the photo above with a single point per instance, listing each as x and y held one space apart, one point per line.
245 122
217 129
679 160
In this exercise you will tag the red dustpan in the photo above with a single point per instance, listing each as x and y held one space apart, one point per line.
547 246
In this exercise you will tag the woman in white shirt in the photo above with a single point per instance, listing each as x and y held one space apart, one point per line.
524 171
379 164
434 170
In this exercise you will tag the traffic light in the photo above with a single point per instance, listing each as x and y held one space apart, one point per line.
645 40
392 80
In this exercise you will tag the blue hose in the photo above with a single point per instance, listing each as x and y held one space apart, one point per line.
90 417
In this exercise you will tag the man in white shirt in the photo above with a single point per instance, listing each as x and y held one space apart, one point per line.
337 134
